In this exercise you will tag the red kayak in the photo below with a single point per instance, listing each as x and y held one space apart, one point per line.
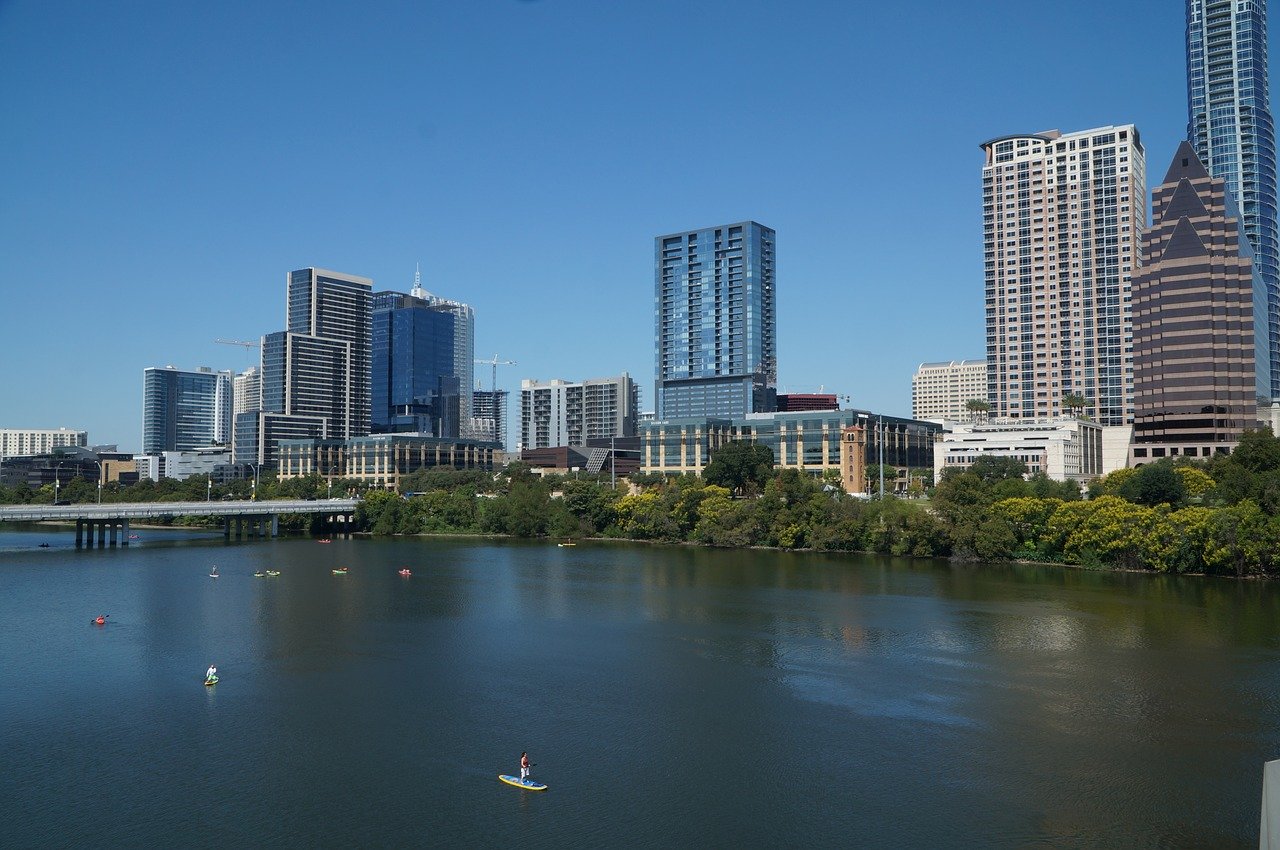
405 572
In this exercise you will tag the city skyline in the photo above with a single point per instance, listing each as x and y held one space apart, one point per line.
530 185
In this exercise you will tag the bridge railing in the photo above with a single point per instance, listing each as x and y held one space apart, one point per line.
156 510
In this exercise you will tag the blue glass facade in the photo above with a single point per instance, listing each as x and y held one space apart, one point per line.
715 322
1230 127
414 388
183 411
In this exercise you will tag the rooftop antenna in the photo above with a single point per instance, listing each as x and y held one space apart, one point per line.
418 291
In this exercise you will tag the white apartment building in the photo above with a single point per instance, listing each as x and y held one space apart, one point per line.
941 391
1062 221
560 413
247 391
181 465
24 442
1062 448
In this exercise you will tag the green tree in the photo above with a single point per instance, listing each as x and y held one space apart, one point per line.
742 466
1154 484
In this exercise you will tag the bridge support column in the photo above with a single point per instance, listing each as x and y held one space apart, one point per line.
226 528
102 534
124 532
79 533
275 525
115 530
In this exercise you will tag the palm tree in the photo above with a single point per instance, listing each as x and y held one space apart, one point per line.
1075 403
978 408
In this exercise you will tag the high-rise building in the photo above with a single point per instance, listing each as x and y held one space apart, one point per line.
414 389
715 321
464 347
944 390
247 390
560 413
334 308
317 371
1200 339
489 419
1229 125
183 410
1062 218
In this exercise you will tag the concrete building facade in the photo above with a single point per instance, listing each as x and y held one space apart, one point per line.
562 413
1062 219
1063 448
941 391
28 442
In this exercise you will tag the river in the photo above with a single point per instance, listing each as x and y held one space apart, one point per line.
669 696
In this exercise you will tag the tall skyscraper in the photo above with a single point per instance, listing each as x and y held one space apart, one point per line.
561 413
1200 341
1062 217
1229 125
316 374
715 336
184 410
336 308
464 348
414 388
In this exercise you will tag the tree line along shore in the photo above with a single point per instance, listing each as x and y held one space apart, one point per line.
1219 515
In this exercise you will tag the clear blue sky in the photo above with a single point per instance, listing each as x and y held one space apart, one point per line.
162 165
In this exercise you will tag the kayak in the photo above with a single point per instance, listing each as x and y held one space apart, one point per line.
259 574
273 572
212 681
404 572
527 784
340 571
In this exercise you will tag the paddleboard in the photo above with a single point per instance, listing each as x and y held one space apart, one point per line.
212 681
528 784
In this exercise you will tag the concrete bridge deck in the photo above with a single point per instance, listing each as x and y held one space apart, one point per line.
113 518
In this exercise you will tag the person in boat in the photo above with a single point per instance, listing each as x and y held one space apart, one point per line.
211 673
524 767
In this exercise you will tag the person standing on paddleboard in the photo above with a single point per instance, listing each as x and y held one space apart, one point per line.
524 767
210 673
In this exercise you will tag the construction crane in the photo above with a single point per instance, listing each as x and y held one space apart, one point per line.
247 345
495 363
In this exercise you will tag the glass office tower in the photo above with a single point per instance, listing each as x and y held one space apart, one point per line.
1229 125
336 308
414 386
715 321
184 410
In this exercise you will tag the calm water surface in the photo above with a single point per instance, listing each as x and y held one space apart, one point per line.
670 697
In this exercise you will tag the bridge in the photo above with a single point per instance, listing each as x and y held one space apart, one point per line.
259 519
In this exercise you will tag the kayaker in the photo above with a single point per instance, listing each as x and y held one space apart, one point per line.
524 767
211 673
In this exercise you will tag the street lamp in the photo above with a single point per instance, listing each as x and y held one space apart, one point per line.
57 485
99 463
253 496
330 493
613 463
208 493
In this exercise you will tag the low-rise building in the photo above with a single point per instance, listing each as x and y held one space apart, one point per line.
28 442
845 441
381 459
1064 449
213 461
